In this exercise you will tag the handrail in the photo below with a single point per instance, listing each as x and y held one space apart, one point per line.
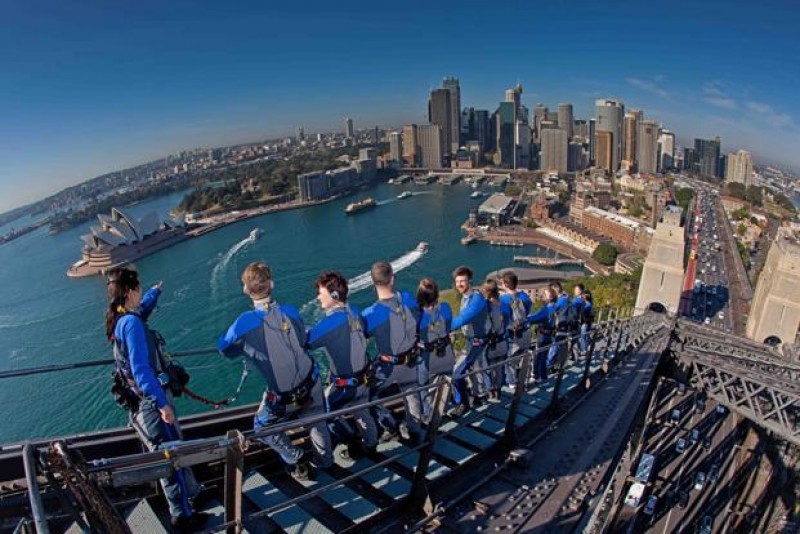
37 508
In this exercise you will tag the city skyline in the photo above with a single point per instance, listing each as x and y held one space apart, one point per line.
151 80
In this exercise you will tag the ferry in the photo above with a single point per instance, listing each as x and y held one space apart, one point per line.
476 194
255 233
360 205
404 194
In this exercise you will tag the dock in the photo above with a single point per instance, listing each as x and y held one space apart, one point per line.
549 262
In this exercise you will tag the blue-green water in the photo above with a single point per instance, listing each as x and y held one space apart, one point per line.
47 318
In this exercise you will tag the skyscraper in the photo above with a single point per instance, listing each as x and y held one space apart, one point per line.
411 151
301 134
539 114
740 168
506 141
349 132
630 132
604 150
580 128
647 146
666 149
396 146
439 113
565 119
482 129
554 150
429 137
451 84
592 139
522 138
707 155
610 114
515 95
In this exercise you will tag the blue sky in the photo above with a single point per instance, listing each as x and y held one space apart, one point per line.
86 89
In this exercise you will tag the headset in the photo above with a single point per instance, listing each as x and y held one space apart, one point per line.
334 295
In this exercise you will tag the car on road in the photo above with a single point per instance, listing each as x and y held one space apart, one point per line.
707 321
699 481
676 416
681 390
700 404
721 315
694 436
680 446
707 443
683 499
706 524
713 473
650 507
720 409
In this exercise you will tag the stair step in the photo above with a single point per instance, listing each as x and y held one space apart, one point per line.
264 494
142 518
354 506
389 482
474 437
452 451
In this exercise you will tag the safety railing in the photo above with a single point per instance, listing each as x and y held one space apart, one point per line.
614 332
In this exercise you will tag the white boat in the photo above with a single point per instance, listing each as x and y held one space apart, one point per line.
255 233
476 194
404 194
422 247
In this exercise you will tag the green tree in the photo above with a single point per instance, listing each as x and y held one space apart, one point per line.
741 229
683 195
635 211
736 190
605 253
513 190
754 195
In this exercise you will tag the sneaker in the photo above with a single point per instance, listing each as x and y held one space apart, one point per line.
512 388
190 523
459 410
478 401
388 435
405 433
302 470
494 396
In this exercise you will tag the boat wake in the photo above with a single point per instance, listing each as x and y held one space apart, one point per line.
223 262
387 201
311 309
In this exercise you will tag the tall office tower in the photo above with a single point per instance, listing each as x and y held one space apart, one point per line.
467 125
565 118
576 159
482 129
301 134
689 159
451 84
604 150
592 140
396 146
610 114
522 138
580 128
539 114
439 113
775 310
515 95
647 146
506 142
722 166
429 137
707 154
554 150
666 149
630 133
349 132
411 151
740 168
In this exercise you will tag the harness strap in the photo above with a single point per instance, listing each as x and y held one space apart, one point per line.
219 404
297 396
359 378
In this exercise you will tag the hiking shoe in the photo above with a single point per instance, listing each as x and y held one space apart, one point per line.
459 410
494 396
191 523
405 433
302 470
388 435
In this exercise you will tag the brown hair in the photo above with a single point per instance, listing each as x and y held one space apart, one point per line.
509 279
120 282
462 270
381 273
335 283
490 289
557 288
257 279
427 292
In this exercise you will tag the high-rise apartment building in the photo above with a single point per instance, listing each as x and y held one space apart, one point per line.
707 153
396 146
647 146
349 131
610 114
411 151
429 138
666 150
565 120
740 168
451 84
439 113
553 156
580 128
604 150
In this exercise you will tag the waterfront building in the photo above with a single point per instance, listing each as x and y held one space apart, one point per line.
439 113
411 152
497 209
430 142
317 185
368 153
666 150
349 132
451 84
610 114
565 120
467 125
740 168
707 155
775 311
604 149
631 234
396 146
553 156
647 147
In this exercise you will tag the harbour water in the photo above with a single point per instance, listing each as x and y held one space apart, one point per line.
46 318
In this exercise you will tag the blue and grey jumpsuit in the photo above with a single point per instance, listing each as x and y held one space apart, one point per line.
273 336
340 336
543 317
437 357
498 315
472 320
584 309
562 330
139 356
392 323
519 333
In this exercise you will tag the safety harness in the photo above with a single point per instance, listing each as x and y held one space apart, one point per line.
409 356
296 396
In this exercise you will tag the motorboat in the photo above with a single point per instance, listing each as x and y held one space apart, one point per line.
422 247
255 233
404 194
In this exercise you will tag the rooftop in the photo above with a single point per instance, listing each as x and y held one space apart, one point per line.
621 219
496 204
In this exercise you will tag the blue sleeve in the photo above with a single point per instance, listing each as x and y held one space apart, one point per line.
475 305
447 314
323 327
230 344
135 339
371 318
587 306
562 302
149 301
541 315
526 301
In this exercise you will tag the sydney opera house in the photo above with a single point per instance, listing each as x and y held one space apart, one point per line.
121 238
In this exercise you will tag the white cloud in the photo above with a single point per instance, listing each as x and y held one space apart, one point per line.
766 113
713 89
650 86
722 102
